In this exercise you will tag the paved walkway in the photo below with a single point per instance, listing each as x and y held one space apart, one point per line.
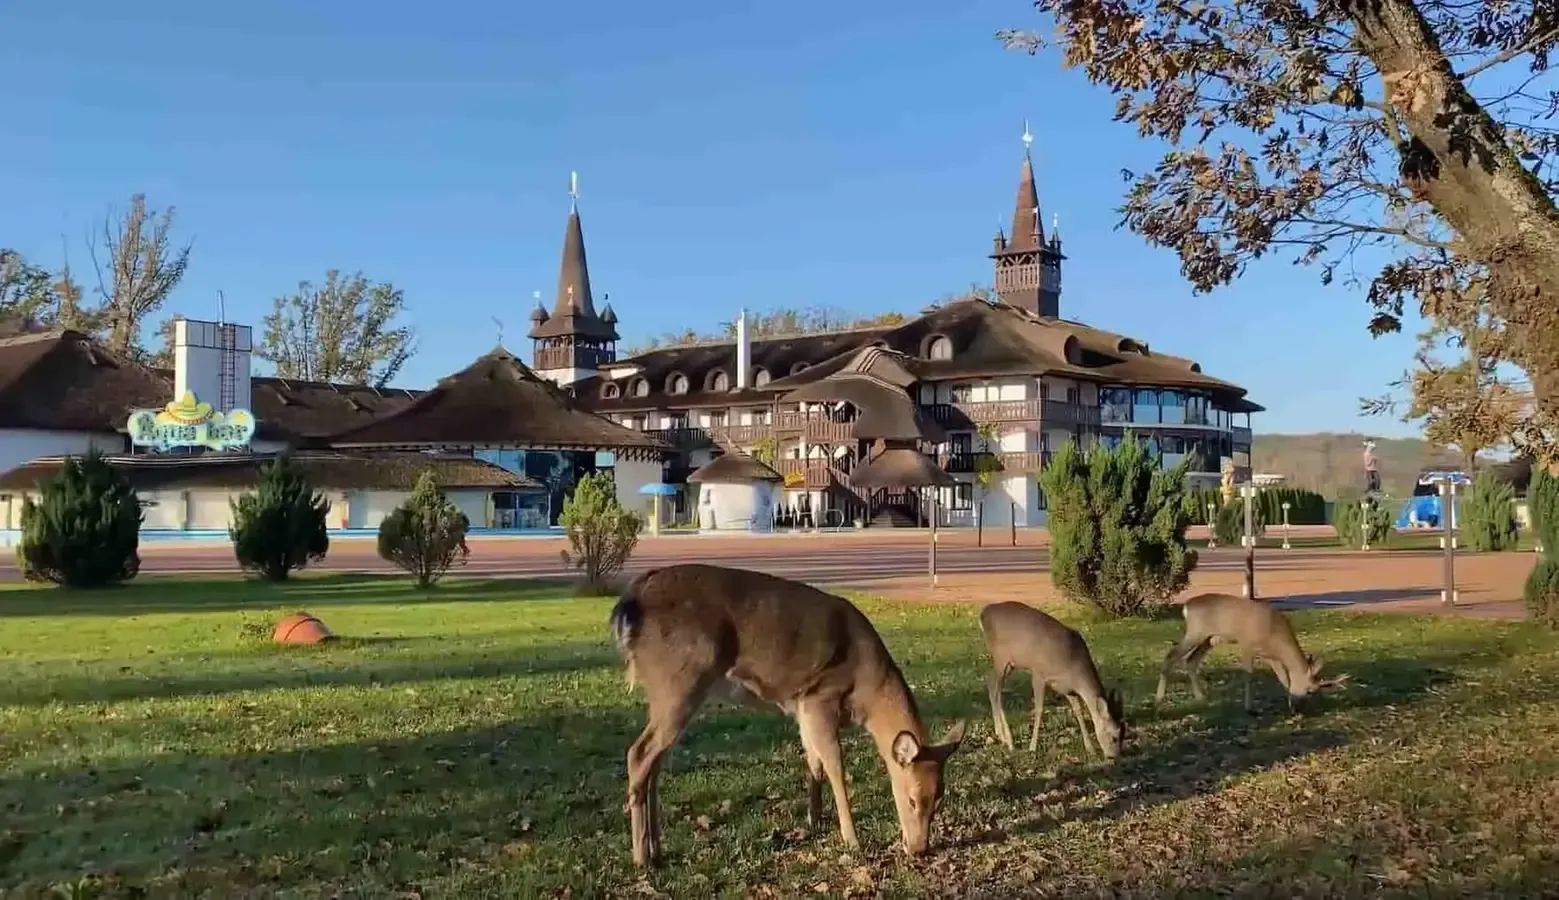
895 563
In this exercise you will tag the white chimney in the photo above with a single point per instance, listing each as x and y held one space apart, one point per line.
743 353
211 360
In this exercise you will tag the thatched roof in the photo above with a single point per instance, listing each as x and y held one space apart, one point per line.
898 468
874 381
732 468
497 401
326 471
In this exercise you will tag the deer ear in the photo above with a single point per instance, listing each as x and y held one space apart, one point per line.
906 747
1315 664
955 736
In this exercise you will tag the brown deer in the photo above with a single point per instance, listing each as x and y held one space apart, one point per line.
686 630
1259 632
1019 636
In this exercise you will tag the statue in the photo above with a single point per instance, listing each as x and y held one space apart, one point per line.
1227 488
1371 471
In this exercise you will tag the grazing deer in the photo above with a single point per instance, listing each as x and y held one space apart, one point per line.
1019 636
688 629
1259 632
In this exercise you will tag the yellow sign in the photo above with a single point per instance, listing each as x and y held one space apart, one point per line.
187 422
795 479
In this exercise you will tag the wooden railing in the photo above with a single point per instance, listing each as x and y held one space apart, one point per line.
683 438
1242 436
1009 461
740 435
1059 412
812 474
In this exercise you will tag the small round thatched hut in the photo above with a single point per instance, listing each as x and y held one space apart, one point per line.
735 493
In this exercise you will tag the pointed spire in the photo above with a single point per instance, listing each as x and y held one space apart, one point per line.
1028 232
1055 229
573 310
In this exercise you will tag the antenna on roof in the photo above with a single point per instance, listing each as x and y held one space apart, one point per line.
499 322
573 191
221 308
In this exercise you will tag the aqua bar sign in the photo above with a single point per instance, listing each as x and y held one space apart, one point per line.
187 422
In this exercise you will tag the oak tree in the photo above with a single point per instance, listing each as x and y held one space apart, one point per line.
1320 127
138 265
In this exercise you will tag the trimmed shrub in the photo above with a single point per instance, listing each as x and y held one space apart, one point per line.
1487 514
1305 507
1356 518
1229 527
1117 528
1542 587
601 532
426 535
85 528
281 525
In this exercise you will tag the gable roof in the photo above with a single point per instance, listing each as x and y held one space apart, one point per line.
875 381
496 401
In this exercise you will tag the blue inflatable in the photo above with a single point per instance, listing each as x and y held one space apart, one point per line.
1422 511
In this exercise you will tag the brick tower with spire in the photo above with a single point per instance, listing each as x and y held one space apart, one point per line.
573 341
1028 265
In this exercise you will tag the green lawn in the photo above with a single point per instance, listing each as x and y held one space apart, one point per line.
470 744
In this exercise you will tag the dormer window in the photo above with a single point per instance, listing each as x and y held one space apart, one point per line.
798 368
939 347
719 382
639 388
676 384
760 377
611 391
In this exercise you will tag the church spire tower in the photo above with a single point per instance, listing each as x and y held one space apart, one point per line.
1028 267
573 341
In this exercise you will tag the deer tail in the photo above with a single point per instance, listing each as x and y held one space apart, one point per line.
625 621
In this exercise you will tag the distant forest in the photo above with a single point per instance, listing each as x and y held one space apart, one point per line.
1330 463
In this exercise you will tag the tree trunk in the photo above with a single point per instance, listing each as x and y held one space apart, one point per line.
1454 156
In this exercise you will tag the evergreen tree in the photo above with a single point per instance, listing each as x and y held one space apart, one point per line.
426 535
1487 514
601 533
85 528
1542 587
281 526
1117 527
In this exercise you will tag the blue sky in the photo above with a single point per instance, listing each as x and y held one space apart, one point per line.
857 155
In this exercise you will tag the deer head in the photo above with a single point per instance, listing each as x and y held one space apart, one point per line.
916 774
1310 682
1111 730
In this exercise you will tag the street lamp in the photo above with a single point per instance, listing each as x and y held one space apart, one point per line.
1285 525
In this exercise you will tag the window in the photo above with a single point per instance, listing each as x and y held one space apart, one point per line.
1195 409
798 368
963 443
677 420
1044 389
717 418
963 495
1041 502
611 391
676 384
1074 395
719 381
639 423
960 393
639 388
1115 405
760 377
939 348
1144 406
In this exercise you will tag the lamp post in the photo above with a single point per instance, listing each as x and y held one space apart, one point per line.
1212 531
1364 522
1285 525
1448 540
1248 492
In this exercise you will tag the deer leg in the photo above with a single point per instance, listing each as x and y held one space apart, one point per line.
1082 724
1179 653
1193 667
998 714
815 778
1249 665
820 735
669 712
1039 713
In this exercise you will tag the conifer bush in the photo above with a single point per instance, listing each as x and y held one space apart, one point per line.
426 535
1117 527
281 525
601 533
1542 587
1356 518
84 530
1487 514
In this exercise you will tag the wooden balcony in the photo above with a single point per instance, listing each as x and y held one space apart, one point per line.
1009 462
814 428
685 438
740 435
812 474
1068 415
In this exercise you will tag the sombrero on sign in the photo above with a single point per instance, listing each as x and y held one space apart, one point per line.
187 411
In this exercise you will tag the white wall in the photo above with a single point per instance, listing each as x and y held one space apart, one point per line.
736 507
565 377
197 361
473 503
209 509
632 474
23 445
